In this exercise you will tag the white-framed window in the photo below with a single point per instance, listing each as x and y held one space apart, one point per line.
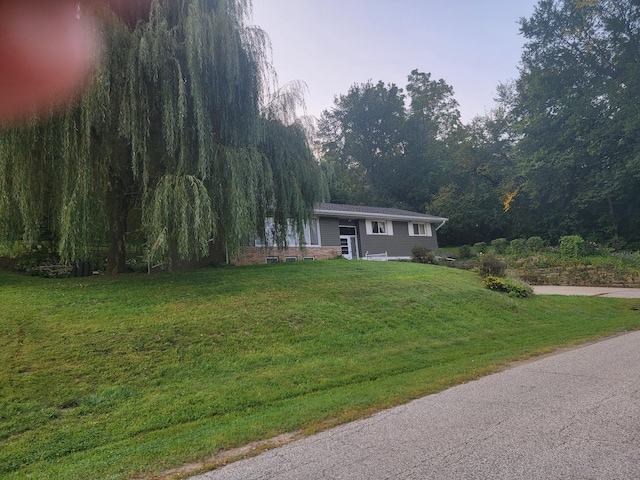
379 227
311 235
420 229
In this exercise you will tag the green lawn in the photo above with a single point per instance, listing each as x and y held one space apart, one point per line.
126 377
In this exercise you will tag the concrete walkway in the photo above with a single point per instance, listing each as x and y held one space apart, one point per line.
571 415
587 291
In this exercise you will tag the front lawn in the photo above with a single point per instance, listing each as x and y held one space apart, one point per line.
127 377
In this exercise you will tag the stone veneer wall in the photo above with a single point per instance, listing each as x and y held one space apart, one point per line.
258 255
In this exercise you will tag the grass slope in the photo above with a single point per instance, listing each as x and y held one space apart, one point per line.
125 377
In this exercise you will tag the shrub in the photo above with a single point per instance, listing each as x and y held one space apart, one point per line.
618 244
518 246
480 247
421 254
571 246
464 251
535 244
592 249
495 283
500 245
511 286
491 265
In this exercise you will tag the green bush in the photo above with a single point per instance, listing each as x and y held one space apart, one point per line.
464 251
592 249
535 244
491 265
421 254
480 247
571 246
500 245
513 287
495 283
518 246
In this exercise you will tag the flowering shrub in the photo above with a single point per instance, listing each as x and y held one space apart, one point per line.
511 286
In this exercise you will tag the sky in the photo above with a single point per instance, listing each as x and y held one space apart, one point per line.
473 45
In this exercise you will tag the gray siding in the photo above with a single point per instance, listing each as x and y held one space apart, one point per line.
397 245
329 232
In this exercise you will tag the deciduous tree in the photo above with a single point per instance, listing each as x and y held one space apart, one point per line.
361 135
174 128
578 96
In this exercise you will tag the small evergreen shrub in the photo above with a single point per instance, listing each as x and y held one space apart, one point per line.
518 246
571 246
511 286
491 265
480 247
421 254
464 251
535 244
500 245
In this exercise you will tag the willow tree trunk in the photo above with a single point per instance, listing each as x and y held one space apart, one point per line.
118 211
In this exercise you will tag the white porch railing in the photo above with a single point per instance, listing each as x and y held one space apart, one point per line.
380 257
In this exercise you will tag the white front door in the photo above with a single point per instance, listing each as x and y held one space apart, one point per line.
349 241
349 246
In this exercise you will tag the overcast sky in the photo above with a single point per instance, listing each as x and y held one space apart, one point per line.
331 44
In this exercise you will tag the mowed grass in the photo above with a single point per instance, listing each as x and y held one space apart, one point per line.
127 377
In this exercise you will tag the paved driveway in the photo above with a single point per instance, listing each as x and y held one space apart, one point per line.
571 415
587 291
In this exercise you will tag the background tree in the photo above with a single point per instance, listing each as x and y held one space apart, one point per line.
431 134
361 137
577 102
478 191
378 151
172 132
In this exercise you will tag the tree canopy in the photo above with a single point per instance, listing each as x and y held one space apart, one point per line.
559 155
577 109
176 143
378 150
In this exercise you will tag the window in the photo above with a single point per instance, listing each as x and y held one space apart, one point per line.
346 230
379 227
311 234
313 230
420 229
344 246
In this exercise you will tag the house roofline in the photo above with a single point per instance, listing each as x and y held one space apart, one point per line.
385 216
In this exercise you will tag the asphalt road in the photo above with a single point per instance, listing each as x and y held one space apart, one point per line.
570 415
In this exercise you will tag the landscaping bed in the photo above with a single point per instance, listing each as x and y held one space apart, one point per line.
578 275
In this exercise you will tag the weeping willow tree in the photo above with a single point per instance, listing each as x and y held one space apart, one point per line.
173 127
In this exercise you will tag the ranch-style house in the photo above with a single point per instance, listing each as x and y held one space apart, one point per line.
353 231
